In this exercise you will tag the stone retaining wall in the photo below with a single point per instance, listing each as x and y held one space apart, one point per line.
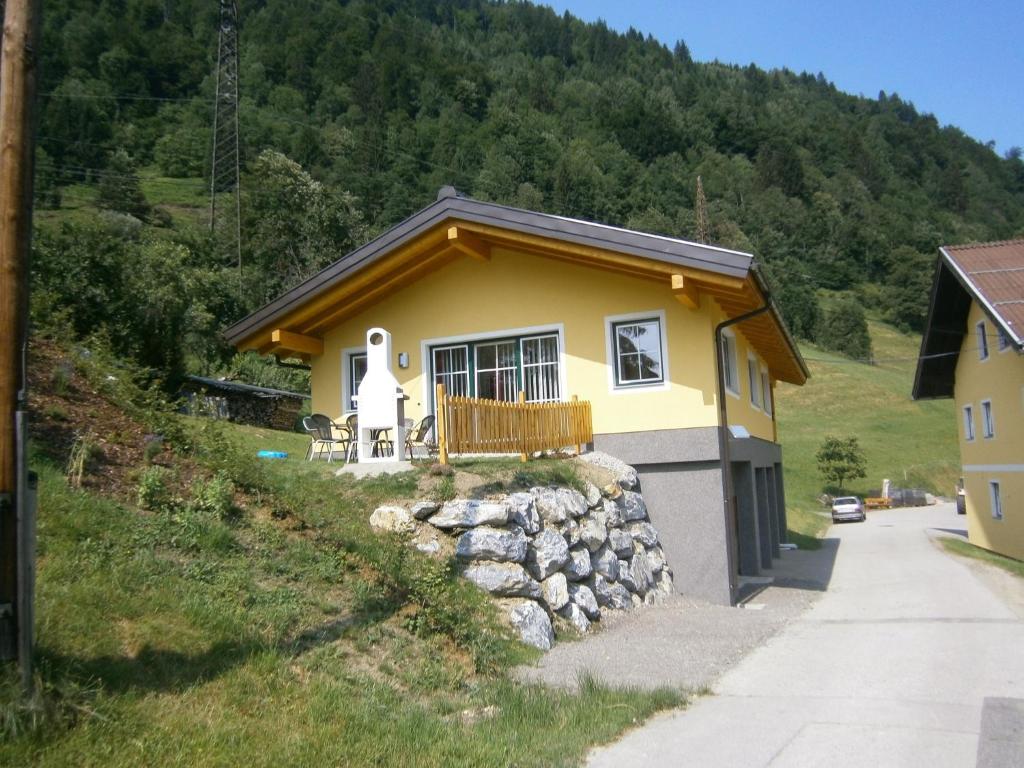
547 551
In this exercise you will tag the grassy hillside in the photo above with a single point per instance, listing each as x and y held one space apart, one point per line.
914 444
197 606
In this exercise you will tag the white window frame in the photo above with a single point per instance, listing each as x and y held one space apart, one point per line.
988 420
427 360
346 377
499 370
432 375
982 339
969 433
731 362
754 380
995 500
611 351
766 392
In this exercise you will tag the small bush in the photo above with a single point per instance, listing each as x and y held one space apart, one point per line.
83 451
152 493
445 490
215 496
154 447
441 470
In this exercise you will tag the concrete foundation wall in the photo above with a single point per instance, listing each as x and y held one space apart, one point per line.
681 478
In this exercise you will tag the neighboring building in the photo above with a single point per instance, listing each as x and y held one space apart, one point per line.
242 403
491 300
971 351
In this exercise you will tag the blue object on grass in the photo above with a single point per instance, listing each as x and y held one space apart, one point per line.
272 455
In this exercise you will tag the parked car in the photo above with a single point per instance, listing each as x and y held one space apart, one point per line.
848 508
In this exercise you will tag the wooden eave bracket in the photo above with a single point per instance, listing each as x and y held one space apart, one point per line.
469 244
685 291
287 343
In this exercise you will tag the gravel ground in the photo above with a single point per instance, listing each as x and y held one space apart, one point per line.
683 643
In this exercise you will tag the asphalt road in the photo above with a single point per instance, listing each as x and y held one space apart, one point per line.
912 657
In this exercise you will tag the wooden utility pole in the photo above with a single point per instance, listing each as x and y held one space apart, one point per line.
17 95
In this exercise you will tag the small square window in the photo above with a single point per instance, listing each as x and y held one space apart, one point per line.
638 354
982 340
988 424
968 423
995 500
1004 340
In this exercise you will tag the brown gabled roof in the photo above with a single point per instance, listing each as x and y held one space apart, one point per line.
994 273
991 274
419 242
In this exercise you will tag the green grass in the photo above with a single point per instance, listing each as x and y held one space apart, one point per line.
965 549
914 444
283 633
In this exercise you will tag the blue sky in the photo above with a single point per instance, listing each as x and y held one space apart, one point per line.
962 62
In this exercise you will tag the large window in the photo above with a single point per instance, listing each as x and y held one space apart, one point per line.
979 331
638 355
499 369
995 500
729 363
988 424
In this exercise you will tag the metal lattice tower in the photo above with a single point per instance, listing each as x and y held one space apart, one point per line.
225 204
701 206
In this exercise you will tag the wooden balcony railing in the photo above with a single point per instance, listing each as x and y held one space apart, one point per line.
472 425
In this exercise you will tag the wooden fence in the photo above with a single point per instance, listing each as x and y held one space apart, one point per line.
472 425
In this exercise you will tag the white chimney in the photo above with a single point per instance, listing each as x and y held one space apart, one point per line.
380 403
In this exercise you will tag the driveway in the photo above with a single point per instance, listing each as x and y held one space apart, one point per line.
910 658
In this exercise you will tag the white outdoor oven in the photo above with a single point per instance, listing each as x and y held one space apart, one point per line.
380 404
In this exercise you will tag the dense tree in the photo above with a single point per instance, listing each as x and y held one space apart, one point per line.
841 459
844 328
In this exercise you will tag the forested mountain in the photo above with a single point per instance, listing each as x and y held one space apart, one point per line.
353 114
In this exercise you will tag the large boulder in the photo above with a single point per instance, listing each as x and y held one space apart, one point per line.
605 562
609 594
636 575
550 505
614 513
546 554
633 507
656 557
583 596
555 591
664 582
575 616
643 532
594 530
421 510
625 475
575 503
532 623
524 512
469 513
487 543
506 579
620 542
592 494
570 531
578 568
392 519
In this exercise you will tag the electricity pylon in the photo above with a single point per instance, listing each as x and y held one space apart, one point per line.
225 189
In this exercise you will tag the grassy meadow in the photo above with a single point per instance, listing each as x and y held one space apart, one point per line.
914 444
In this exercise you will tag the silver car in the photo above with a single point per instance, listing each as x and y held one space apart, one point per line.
847 508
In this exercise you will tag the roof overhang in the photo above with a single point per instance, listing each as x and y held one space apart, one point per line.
457 227
945 327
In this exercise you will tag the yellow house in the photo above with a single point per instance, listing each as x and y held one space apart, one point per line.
492 300
971 351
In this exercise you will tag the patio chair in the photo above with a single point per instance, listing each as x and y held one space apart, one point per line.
420 436
314 436
325 437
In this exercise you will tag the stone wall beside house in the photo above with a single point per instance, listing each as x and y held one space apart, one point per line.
546 552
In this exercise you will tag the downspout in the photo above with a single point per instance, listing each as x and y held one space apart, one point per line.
729 511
